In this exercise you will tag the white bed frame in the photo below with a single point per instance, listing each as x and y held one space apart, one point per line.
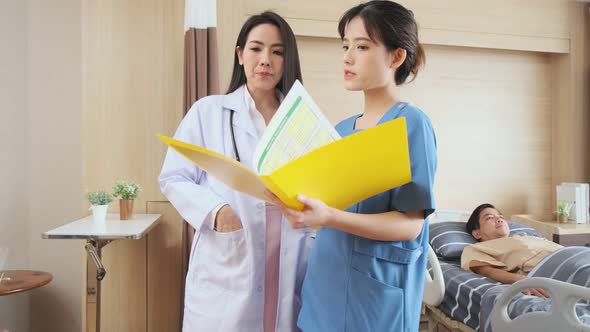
564 296
562 316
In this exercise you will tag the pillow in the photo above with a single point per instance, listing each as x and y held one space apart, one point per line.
448 238
519 229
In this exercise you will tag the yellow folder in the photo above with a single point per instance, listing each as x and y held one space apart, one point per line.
341 173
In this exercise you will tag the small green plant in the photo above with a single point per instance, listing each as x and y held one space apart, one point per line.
126 190
563 208
99 197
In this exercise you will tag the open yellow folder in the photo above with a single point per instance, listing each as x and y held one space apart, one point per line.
340 173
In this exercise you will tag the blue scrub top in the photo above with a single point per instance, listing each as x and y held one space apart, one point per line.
356 284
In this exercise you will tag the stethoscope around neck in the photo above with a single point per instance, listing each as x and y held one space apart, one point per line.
233 137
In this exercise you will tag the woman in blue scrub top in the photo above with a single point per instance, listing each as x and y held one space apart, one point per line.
366 269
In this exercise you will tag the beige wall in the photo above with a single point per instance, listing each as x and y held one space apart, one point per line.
54 171
41 183
14 310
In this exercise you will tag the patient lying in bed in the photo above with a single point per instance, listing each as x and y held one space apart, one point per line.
501 257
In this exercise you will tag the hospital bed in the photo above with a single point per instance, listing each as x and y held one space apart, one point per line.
454 297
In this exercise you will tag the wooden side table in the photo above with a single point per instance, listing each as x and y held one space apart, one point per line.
565 234
16 281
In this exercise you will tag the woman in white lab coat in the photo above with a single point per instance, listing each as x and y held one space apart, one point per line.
246 264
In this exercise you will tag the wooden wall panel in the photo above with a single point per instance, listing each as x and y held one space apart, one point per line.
230 17
571 103
133 74
539 18
535 18
164 256
304 9
124 288
532 25
132 60
492 115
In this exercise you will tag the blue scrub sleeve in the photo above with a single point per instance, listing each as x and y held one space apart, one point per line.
418 194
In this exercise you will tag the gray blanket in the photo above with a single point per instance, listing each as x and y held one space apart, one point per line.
569 264
463 293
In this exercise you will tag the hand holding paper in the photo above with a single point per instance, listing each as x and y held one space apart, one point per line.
314 214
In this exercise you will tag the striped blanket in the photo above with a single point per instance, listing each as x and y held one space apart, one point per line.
463 293
469 297
569 264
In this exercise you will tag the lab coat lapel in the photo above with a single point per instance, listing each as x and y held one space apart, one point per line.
235 101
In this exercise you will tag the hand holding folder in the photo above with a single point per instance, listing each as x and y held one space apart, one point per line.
339 172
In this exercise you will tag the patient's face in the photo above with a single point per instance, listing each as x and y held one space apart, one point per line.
491 226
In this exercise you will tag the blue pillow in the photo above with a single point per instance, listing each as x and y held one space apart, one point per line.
520 229
448 238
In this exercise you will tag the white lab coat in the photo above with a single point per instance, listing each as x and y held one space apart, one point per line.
225 280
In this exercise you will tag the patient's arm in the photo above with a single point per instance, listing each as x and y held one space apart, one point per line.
497 274
506 277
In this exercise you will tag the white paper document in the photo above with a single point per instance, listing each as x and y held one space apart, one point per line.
297 128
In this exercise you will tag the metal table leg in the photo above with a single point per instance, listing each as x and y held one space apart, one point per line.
94 249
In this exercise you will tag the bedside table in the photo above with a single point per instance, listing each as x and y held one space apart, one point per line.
562 233
97 236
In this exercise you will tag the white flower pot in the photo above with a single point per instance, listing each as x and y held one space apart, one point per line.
100 213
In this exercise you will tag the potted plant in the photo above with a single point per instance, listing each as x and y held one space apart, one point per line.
563 211
126 192
100 202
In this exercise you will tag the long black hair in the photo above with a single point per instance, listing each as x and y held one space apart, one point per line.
292 69
395 27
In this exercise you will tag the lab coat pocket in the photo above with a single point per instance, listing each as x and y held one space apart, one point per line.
372 305
221 262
